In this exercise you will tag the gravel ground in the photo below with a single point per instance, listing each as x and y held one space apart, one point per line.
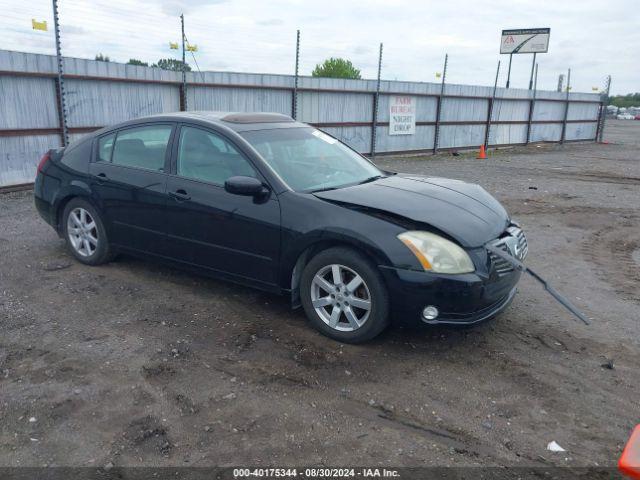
134 363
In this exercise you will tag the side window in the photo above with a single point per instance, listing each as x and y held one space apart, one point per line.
105 146
142 147
203 155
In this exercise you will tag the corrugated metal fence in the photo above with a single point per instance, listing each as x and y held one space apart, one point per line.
104 93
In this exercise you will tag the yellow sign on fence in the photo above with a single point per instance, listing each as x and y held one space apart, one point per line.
39 25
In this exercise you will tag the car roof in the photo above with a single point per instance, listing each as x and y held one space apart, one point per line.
237 121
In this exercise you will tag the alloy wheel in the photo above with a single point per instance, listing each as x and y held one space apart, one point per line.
340 297
82 232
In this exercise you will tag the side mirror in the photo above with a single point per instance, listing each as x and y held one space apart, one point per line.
248 186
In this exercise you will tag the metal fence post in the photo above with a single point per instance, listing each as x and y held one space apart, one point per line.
376 99
436 130
603 110
490 108
566 110
294 99
183 105
533 64
532 104
62 108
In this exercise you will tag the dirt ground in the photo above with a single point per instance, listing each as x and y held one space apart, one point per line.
134 363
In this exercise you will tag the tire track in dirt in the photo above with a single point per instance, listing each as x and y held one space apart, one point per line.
612 249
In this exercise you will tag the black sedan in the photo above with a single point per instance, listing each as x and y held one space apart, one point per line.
262 200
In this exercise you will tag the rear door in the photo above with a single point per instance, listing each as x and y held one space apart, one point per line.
129 182
211 228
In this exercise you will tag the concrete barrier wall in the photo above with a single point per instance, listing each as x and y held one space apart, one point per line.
100 94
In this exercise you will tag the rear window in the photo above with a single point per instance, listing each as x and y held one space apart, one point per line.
142 147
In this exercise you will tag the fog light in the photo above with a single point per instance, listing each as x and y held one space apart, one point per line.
430 312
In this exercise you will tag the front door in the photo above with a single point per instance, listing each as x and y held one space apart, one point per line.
206 226
128 181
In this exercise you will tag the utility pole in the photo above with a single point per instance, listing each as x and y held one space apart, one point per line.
294 102
376 98
184 69
60 79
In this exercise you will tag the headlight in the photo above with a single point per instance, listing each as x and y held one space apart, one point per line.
437 254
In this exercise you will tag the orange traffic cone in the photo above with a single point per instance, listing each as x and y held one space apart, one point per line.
629 462
482 154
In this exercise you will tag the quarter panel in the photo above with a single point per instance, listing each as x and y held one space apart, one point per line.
55 184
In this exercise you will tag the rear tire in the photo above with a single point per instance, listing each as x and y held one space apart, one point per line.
344 295
84 233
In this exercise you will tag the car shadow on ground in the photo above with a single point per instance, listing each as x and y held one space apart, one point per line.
276 311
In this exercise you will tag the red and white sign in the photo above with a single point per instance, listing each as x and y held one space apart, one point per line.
402 115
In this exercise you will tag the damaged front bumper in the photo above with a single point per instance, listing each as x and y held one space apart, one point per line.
464 299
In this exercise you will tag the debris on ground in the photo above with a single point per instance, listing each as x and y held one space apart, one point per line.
53 266
554 447
608 365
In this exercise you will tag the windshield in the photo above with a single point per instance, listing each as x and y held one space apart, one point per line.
309 160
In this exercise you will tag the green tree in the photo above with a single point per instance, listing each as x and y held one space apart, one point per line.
171 64
102 58
628 100
135 61
336 68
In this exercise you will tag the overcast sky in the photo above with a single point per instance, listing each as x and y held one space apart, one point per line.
592 37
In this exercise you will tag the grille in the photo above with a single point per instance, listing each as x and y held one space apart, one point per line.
501 266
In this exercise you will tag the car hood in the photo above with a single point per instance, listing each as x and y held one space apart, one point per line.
464 211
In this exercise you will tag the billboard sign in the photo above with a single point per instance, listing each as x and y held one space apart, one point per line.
528 40
402 115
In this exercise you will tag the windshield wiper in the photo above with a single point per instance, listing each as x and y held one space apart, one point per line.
370 179
366 180
324 189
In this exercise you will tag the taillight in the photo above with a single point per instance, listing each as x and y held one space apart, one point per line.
45 158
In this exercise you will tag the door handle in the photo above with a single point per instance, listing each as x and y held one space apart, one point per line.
102 177
180 195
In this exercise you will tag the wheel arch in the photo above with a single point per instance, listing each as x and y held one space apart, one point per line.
75 190
292 271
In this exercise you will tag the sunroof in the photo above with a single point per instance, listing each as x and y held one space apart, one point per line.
256 118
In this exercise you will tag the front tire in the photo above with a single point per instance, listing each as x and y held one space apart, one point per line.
84 233
344 295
